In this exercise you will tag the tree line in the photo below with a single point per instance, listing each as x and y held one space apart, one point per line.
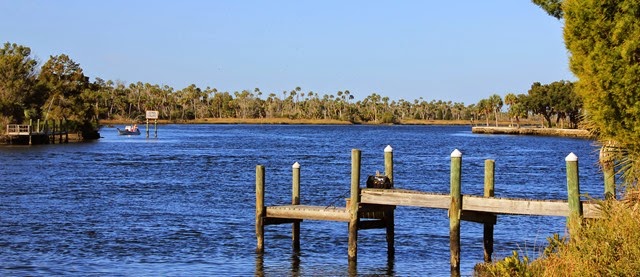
59 90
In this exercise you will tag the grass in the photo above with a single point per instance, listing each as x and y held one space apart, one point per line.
609 246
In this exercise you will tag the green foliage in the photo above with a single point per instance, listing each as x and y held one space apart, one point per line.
509 266
557 98
604 40
17 77
552 7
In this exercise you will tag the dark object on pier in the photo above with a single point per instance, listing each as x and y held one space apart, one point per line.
378 182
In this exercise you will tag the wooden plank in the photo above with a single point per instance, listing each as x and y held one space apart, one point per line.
591 209
515 206
308 212
401 197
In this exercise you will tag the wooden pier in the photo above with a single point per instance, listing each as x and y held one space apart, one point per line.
38 134
369 208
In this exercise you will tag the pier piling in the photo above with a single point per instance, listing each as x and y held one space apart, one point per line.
260 209
295 200
455 209
389 217
573 188
354 205
489 187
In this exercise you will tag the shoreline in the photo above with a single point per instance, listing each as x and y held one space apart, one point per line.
572 133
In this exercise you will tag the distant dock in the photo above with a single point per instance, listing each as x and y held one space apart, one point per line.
29 134
574 133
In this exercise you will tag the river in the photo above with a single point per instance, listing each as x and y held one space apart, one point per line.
184 203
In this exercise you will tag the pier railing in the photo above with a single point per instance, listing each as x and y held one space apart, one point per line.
374 208
18 130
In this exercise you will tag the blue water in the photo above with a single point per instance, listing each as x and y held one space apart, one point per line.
184 203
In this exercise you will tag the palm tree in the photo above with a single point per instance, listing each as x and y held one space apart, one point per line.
496 104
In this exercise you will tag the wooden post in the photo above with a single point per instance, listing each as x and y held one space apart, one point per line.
147 127
295 200
155 128
455 210
53 133
260 209
66 131
489 185
608 169
353 205
60 132
573 187
30 128
390 215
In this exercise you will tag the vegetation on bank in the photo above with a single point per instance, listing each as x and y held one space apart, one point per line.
602 247
603 38
59 90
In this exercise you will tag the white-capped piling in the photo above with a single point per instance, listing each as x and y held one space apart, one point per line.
455 209
573 188
390 214
295 200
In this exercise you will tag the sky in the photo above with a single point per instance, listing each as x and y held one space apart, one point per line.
460 51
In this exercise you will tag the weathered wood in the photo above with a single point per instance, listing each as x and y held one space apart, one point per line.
515 206
489 191
573 186
260 208
389 218
608 170
402 197
354 204
308 212
455 209
295 200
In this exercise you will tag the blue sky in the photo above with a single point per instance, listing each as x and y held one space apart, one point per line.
459 51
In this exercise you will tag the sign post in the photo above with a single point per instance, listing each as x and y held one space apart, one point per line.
152 115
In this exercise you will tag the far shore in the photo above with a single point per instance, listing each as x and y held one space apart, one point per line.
289 121
478 127
283 121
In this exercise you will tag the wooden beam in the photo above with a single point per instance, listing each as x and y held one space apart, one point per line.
308 212
401 197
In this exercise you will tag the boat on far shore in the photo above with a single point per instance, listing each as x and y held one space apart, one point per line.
129 130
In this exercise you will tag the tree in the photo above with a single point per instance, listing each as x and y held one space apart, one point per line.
17 78
64 81
485 107
540 101
603 38
496 105
552 7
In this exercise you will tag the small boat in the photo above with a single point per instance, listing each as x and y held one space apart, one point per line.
129 130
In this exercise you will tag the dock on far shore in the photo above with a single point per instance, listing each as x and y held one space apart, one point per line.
574 133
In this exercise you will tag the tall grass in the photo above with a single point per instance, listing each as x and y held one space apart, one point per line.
609 246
